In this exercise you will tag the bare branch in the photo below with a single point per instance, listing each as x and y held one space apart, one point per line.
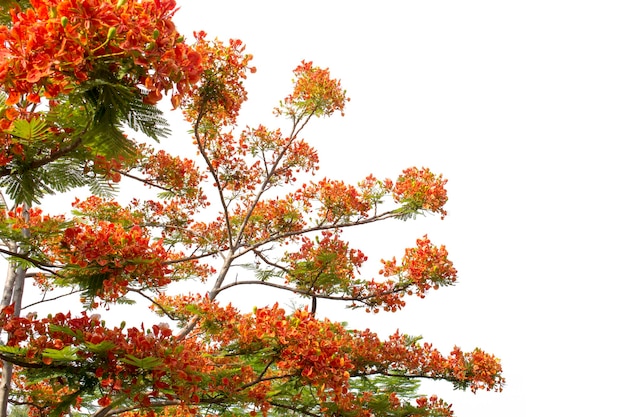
50 299
156 303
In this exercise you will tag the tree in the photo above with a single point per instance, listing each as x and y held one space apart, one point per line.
78 76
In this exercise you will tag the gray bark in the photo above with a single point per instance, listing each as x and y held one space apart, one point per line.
12 294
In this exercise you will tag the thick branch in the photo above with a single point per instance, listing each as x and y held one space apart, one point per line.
19 276
19 362
409 376
25 257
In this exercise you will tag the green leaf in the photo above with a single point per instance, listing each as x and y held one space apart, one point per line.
68 353
101 347
29 130
13 350
147 119
24 187
143 363
62 329
102 187
125 301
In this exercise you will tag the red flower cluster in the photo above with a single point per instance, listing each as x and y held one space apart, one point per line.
420 189
116 254
56 44
426 266
121 360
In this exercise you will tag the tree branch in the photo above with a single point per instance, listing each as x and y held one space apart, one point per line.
317 228
201 144
308 293
50 299
156 303
19 362
143 180
38 264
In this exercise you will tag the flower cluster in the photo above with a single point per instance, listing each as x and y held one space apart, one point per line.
314 93
420 189
106 257
425 266
119 360
56 44
325 265
220 93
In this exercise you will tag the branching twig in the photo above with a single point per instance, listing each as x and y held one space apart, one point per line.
50 299
307 293
156 303
143 180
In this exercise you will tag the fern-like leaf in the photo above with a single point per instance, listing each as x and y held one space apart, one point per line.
30 130
147 119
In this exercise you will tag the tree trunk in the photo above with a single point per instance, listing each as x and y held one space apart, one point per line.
12 294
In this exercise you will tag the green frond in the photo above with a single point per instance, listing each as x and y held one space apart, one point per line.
62 329
62 176
20 262
125 301
100 348
108 140
113 105
13 350
405 388
147 119
142 363
30 130
262 274
91 285
101 187
105 101
24 187
408 212
30 186
67 354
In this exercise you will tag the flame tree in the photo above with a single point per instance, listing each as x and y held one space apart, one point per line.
75 78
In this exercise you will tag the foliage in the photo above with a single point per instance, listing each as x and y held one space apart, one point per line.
20 411
77 77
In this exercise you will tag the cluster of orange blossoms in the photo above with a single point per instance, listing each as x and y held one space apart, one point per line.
420 188
324 266
118 252
119 360
53 47
55 43
319 353
314 93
